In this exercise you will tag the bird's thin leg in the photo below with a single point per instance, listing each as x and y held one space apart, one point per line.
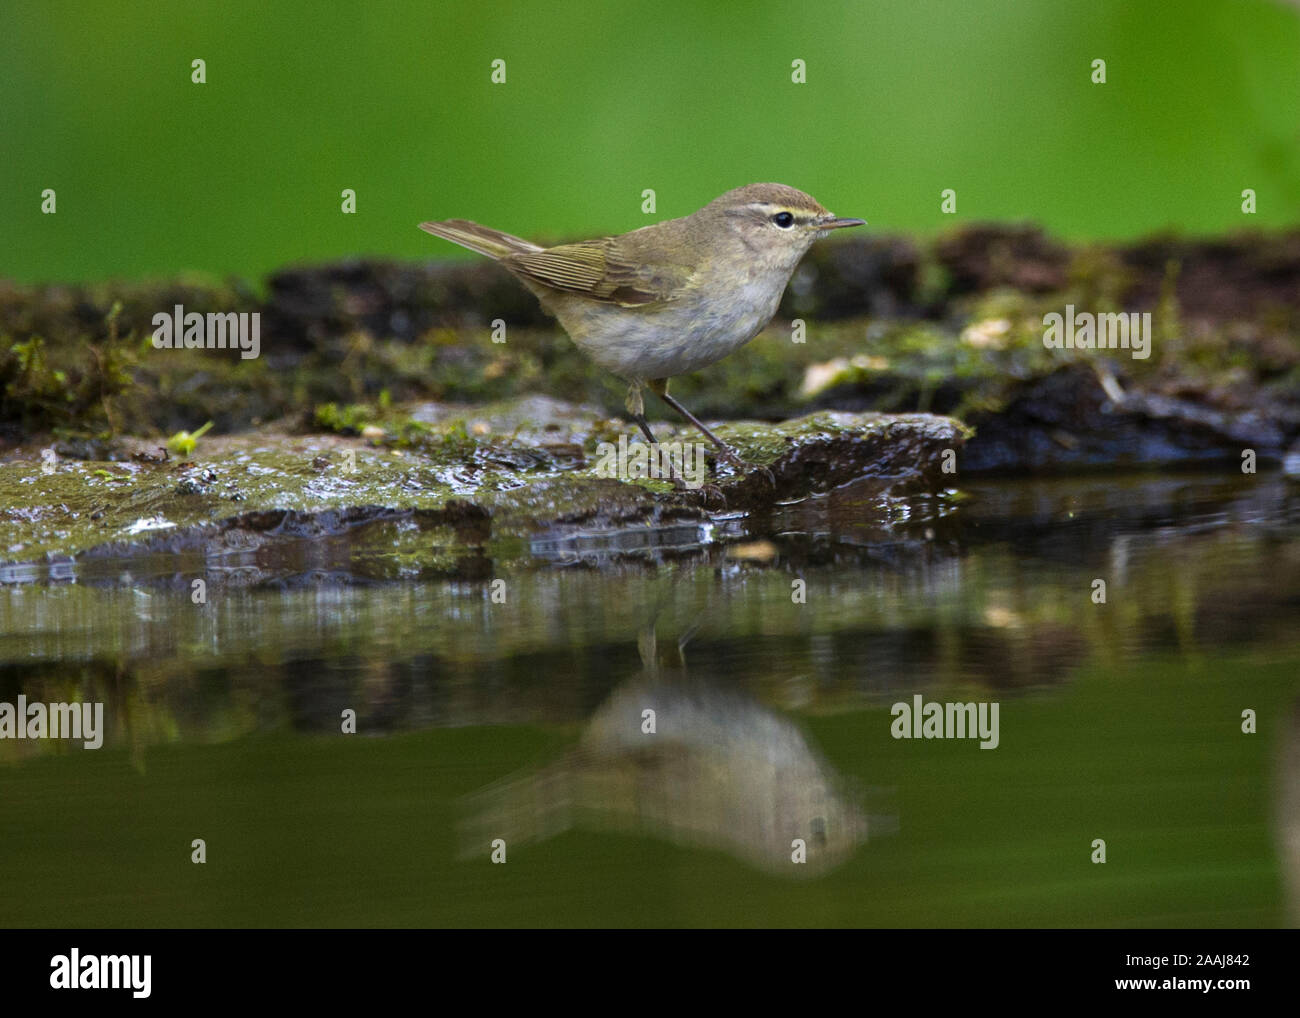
660 388
706 491
636 410
635 404
644 425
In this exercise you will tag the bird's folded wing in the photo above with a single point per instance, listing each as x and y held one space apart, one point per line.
591 269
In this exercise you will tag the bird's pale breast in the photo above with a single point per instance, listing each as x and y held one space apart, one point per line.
680 336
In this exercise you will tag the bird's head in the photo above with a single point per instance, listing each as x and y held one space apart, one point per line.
774 217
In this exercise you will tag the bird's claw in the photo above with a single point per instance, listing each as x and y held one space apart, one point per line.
712 493
707 492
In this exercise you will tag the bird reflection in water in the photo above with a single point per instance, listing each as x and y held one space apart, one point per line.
719 770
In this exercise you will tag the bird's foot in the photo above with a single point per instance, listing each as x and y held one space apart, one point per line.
708 493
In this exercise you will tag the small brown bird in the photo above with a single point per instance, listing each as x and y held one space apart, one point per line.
669 298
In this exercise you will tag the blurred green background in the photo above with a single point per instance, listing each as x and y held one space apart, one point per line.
603 99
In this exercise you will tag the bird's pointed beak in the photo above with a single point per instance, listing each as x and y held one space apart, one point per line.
838 223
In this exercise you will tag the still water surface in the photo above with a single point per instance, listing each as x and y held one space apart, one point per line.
523 720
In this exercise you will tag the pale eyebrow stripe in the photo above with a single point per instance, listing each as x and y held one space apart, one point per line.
767 209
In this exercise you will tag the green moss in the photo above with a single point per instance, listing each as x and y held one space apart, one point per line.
44 387
343 420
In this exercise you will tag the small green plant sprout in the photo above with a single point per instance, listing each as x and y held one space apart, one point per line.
182 443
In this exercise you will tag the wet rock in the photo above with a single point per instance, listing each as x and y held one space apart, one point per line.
898 453
1068 419
198 482
423 509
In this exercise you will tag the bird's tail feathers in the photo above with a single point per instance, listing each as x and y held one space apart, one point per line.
483 239
519 809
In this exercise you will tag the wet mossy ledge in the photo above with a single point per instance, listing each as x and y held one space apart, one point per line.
952 326
428 490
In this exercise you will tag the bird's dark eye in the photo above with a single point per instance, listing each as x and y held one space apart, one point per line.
784 220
